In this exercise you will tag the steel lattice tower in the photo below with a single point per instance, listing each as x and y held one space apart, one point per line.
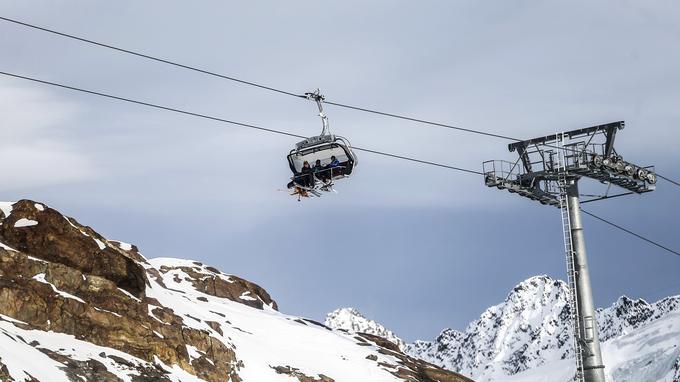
550 170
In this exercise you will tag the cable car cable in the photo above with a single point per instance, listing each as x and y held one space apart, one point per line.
630 232
195 69
230 78
606 197
668 180
421 121
193 114
205 116
250 83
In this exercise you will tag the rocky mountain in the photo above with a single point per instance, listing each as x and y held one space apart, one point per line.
351 320
528 337
75 306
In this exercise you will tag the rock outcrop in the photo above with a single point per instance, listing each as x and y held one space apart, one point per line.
76 306
64 277
43 233
214 283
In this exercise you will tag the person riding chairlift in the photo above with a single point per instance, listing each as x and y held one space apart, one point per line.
333 166
306 177
320 171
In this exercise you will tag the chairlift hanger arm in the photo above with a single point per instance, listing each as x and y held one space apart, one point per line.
317 97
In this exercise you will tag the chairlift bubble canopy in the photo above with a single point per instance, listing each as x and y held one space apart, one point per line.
323 148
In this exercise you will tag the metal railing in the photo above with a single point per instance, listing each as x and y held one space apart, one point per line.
309 180
496 171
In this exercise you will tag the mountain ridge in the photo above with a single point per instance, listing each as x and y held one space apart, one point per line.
530 330
76 306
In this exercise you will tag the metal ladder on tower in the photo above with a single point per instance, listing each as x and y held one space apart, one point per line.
569 252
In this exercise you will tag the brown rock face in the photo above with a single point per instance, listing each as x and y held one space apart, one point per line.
62 240
295 373
215 283
61 279
104 316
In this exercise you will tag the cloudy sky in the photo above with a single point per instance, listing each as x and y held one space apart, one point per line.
416 247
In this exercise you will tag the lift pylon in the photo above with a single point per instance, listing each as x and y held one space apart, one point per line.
548 171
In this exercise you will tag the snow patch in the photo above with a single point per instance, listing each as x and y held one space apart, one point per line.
6 208
107 311
176 371
10 319
193 353
39 207
23 222
129 295
41 278
246 296
7 247
124 246
100 243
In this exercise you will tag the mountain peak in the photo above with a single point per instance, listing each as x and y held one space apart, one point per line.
351 320
532 329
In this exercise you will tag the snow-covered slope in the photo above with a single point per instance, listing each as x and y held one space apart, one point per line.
525 331
266 339
651 353
56 357
528 337
351 320
75 306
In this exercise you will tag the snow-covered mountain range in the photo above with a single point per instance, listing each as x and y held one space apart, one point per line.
75 306
528 338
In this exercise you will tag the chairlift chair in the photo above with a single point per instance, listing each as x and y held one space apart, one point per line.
320 147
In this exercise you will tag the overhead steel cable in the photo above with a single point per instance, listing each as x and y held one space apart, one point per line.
598 198
668 180
218 119
630 232
230 78
280 132
150 57
265 87
421 121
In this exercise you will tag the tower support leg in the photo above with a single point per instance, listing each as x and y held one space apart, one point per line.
593 368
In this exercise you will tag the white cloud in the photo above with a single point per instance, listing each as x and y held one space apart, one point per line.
41 164
28 110
31 151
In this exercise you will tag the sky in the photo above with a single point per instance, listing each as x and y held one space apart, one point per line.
415 247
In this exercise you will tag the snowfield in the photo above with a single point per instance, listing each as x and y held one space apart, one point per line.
264 339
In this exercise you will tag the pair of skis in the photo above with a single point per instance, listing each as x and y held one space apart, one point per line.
307 192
